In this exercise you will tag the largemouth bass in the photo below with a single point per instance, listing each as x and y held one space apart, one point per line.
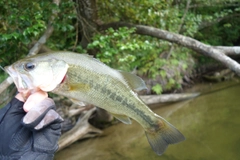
82 78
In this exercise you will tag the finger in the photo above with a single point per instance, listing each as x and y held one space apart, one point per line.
22 96
34 100
50 117
38 112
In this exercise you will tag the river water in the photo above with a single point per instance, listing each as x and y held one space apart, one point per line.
210 123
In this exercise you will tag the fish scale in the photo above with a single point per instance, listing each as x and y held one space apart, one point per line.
97 91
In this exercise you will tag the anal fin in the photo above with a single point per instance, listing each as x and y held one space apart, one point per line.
124 119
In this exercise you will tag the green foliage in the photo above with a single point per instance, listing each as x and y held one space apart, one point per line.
24 21
157 60
220 24
3 77
157 88
213 22
20 23
119 49
64 36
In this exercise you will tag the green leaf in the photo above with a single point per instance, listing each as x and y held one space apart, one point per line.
157 88
163 73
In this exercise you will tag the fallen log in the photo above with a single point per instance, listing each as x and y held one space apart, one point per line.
165 98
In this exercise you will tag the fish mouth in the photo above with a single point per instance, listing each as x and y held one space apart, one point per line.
17 79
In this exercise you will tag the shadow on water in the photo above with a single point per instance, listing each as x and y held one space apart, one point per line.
210 123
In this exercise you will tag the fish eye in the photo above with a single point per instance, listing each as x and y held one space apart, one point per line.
29 66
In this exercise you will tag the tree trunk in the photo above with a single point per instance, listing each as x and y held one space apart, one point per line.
87 17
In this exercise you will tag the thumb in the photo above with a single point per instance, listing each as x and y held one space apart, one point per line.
41 115
34 100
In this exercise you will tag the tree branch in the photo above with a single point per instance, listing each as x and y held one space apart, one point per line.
206 24
181 40
180 27
43 39
235 50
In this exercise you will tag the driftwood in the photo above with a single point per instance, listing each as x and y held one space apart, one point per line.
219 76
81 130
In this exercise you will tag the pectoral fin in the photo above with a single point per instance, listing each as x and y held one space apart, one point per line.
80 103
135 82
124 119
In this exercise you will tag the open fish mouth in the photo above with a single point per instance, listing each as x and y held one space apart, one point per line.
17 79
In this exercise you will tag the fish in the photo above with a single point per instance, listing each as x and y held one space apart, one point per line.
86 80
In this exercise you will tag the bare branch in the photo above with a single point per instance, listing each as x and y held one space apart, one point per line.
180 27
184 16
235 50
181 40
37 46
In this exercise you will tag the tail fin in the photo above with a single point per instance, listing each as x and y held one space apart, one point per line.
165 135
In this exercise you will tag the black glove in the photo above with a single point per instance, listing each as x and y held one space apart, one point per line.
29 136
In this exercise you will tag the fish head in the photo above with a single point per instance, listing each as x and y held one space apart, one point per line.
39 72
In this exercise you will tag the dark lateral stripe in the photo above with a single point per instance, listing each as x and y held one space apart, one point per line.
147 118
115 97
119 99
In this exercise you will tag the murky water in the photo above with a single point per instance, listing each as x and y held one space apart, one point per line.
210 123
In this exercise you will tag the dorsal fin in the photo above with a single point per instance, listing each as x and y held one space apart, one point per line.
135 82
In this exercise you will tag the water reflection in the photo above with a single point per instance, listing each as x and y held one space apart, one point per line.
210 123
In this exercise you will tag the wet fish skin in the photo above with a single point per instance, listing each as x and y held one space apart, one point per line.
90 81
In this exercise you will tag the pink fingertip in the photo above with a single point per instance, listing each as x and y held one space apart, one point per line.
26 108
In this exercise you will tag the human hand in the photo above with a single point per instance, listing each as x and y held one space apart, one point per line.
31 135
